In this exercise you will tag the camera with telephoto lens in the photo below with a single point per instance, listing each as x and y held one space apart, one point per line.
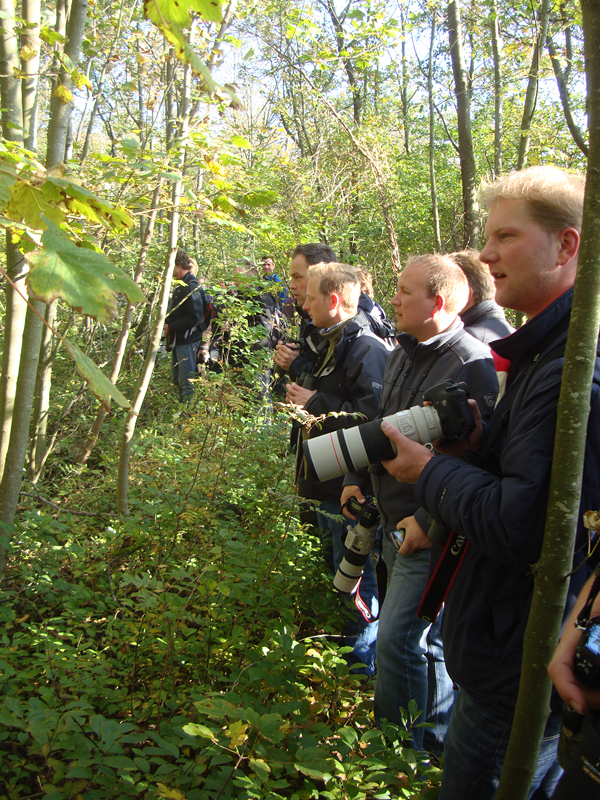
349 449
579 743
359 542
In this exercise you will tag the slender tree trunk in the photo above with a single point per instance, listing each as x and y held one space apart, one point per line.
41 405
432 182
30 58
12 121
465 141
148 368
12 476
125 328
60 112
563 90
497 52
552 570
532 84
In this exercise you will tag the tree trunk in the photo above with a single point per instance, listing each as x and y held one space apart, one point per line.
465 141
124 334
12 476
30 44
563 89
532 85
432 182
148 368
41 404
12 121
555 564
497 52
60 112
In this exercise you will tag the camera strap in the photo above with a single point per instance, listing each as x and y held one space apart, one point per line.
363 607
583 617
441 576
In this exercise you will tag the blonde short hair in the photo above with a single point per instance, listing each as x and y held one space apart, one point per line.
554 197
339 278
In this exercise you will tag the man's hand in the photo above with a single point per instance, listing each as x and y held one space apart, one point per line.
411 458
473 441
415 537
298 395
562 664
351 491
285 354
166 330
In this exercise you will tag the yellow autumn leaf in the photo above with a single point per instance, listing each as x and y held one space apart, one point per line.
63 94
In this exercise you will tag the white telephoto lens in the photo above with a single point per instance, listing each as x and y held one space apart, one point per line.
327 457
421 424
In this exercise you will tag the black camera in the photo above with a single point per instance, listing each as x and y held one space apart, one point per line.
359 542
579 744
347 450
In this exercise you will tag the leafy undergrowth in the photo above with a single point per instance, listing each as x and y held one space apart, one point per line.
186 651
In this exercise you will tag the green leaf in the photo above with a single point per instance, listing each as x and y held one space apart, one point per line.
50 36
240 141
101 388
262 197
85 279
173 11
28 204
194 729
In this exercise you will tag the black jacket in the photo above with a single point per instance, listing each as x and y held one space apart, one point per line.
411 369
352 384
486 322
500 506
186 320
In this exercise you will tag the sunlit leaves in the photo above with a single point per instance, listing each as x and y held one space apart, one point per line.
85 279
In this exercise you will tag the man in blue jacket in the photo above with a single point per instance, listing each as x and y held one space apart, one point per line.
184 325
497 499
348 374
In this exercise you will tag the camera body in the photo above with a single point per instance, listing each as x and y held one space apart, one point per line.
359 542
350 449
579 743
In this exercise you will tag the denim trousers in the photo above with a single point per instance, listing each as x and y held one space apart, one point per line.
475 747
410 658
358 633
183 359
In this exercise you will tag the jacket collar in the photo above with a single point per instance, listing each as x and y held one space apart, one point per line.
520 345
412 346
483 310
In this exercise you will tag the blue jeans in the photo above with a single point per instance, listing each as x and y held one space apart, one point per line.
475 747
358 633
410 658
183 359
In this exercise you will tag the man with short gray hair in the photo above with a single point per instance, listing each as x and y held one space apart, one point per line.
433 347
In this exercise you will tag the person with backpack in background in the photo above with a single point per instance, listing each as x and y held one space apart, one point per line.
184 325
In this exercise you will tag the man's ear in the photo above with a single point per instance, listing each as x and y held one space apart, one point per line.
335 301
439 304
569 245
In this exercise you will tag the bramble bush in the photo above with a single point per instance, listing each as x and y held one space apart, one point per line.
187 651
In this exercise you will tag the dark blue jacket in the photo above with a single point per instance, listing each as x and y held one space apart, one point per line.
351 384
311 339
500 506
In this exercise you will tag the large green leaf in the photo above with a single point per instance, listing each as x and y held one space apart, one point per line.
85 279
81 200
99 384
162 12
